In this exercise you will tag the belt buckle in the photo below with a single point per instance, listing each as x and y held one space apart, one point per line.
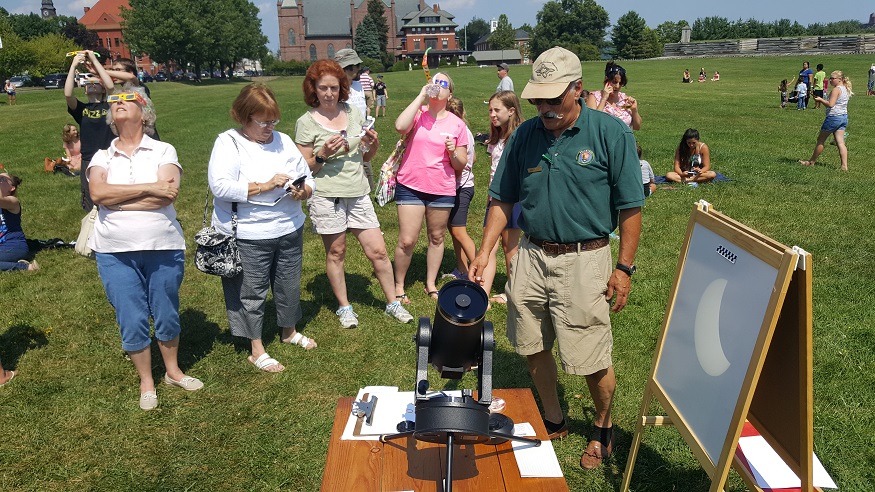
550 247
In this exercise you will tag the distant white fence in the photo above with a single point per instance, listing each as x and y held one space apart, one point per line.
863 43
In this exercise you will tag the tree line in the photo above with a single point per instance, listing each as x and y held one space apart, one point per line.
39 46
581 26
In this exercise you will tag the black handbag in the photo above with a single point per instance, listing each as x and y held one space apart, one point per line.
217 253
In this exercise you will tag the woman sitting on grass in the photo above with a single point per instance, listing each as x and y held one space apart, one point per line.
836 119
137 240
72 147
13 245
692 160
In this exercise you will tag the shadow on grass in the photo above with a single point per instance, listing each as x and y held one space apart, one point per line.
358 291
17 340
197 337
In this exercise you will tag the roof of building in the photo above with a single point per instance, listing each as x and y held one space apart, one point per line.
327 18
414 19
494 56
519 35
104 12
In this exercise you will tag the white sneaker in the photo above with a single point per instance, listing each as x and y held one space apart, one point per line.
397 311
348 318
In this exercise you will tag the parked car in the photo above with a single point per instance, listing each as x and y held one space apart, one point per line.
205 74
160 77
83 77
54 80
20 81
147 77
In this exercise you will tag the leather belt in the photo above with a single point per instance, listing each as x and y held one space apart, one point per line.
552 248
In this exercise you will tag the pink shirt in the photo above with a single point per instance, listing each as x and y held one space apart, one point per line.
426 165
615 109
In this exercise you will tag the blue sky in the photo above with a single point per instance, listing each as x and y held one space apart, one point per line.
522 11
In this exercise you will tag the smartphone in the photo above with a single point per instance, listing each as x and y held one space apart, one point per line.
299 182
369 124
691 173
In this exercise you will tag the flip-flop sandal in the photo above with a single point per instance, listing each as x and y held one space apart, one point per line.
264 362
302 341
403 299
431 293
11 375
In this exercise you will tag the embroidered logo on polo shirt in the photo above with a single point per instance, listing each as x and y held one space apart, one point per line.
584 157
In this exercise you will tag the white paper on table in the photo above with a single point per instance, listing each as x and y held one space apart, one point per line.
536 461
770 471
386 395
523 429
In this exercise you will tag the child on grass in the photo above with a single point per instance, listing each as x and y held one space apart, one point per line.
802 91
648 179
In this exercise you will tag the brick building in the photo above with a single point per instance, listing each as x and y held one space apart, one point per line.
104 18
315 29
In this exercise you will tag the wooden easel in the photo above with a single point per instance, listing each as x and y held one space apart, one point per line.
776 395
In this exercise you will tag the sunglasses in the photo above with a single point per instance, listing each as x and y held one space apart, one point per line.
616 69
74 53
351 68
91 84
443 83
126 96
556 101
265 124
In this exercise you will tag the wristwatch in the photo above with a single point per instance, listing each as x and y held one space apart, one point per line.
319 158
627 269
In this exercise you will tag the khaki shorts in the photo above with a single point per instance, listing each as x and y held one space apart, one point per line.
561 298
369 99
336 215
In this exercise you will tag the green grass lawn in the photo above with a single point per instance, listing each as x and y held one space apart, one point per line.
70 419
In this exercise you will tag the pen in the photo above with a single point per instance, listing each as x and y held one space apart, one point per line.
546 157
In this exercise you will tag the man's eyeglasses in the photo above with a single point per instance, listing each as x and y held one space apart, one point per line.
127 96
443 83
265 124
91 83
556 101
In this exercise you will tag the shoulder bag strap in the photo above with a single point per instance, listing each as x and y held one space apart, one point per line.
233 204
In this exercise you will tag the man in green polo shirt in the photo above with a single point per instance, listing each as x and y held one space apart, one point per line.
576 174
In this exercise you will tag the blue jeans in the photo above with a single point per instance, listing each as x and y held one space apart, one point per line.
9 257
800 102
140 284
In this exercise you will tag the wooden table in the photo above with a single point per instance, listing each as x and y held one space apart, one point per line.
408 464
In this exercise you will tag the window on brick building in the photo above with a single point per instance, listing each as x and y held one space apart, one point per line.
330 51
445 43
312 52
291 37
416 44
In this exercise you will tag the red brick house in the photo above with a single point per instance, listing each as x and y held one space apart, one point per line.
105 19
315 29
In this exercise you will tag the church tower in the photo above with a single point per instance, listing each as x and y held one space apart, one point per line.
48 9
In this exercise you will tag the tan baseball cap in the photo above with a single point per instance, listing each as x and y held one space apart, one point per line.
551 74
347 57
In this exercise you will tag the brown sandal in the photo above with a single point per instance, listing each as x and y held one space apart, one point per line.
596 452
403 299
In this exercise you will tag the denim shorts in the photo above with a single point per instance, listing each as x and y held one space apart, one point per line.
513 222
409 196
459 213
834 123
